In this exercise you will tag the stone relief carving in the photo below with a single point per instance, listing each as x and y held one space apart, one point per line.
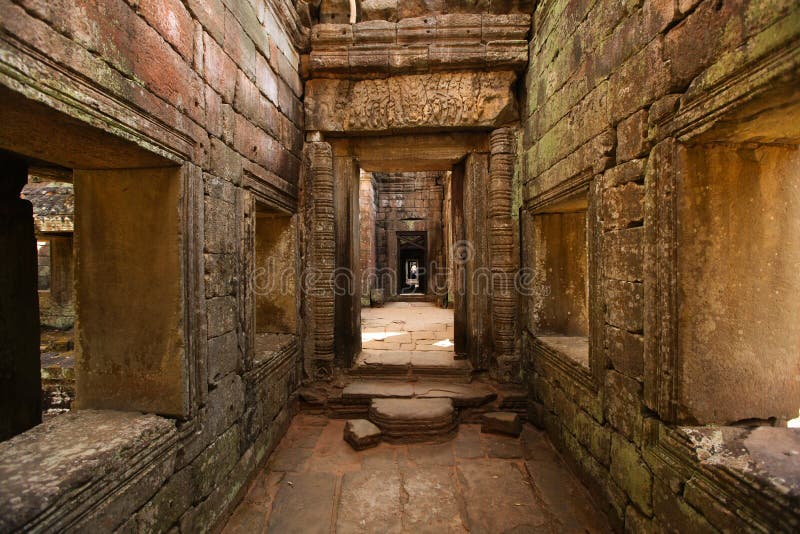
463 99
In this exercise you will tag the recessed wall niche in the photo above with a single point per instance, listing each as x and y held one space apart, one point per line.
275 280
560 312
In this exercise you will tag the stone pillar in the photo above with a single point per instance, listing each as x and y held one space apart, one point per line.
20 369
347 323
324 245
501 250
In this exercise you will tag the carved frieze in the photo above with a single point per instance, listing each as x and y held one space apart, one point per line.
419 102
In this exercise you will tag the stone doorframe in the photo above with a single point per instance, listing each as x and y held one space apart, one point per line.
331 173
433 238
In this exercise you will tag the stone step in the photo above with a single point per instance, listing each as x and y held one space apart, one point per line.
462 395
415 365
414 420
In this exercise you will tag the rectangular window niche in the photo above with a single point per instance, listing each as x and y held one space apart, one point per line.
560 312
274 281
738 233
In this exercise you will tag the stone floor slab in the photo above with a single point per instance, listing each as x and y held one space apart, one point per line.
370 502
415 488
565 498
497 498
304 504
432 505
429 454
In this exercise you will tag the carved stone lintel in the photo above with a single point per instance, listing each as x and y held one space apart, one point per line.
324 250
438 101
501 172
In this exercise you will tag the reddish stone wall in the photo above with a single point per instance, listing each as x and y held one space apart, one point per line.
213 85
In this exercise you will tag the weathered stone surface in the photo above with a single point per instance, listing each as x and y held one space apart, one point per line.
565 498
500 500
408 420
361 434
370 502
632 137
39 471
457 100
622 405
625 351
379 10
304 503
631 473
502 423
433 505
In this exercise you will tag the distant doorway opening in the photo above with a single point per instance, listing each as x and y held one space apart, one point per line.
412 271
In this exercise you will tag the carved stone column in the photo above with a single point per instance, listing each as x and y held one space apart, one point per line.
324 253
501 248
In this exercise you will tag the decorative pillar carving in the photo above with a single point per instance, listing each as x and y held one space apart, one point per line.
324 245
501 249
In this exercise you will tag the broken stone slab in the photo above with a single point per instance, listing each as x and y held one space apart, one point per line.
361 434
502 423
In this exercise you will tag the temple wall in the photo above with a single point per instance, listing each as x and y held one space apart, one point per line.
616 95
212 88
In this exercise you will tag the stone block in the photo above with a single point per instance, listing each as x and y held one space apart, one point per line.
632 139
663 108
623 254
331 35
374 32
166 506
222 315
623 206
418 8
501 423
456 54
361 434
675 514
223 356
368 59
379 10
622 405
511 27
630 171
225 162
624 302
507 54
334 12
408 59
213 464
625 351
225 404
630 472
641 80
420 31
219 69
463 28
335 61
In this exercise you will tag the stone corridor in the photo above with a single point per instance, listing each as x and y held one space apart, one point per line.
294 265
479 483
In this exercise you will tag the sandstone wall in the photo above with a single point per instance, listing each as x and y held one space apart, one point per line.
213 87
607 82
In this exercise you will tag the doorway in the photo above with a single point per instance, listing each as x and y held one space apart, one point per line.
411 263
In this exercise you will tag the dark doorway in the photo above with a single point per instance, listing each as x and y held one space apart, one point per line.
412 266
